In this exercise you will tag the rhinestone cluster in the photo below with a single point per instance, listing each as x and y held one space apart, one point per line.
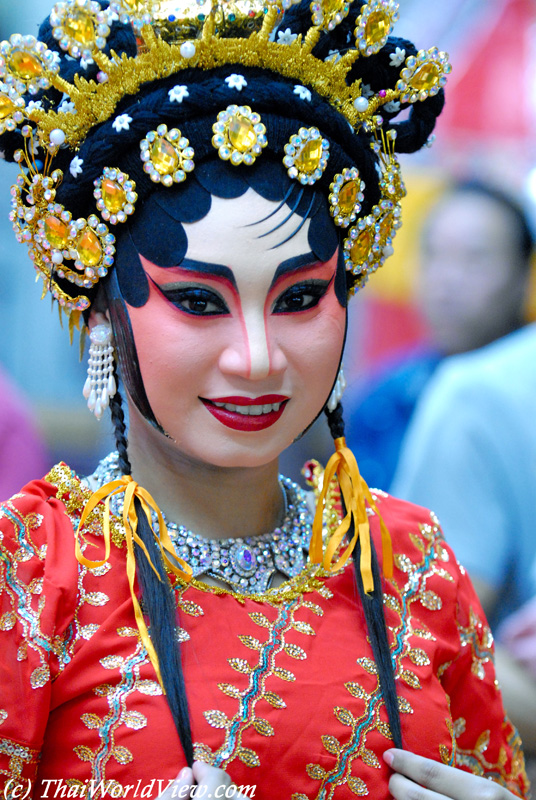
239 135
167 156
246 564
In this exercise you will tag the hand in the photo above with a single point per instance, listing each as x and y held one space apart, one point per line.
208 782
418 778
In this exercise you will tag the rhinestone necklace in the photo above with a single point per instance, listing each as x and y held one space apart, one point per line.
248 563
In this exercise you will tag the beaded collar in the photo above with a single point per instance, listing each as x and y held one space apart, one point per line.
246 564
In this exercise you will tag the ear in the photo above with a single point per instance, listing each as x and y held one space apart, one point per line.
97 318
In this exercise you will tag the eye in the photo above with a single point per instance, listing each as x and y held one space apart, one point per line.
301 297
195 300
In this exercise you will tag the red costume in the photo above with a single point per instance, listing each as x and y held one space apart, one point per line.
283 689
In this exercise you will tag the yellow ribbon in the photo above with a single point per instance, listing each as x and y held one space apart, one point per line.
130 521
354 492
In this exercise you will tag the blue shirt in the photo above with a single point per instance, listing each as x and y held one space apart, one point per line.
470 455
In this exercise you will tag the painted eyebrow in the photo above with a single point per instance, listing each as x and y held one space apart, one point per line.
210 269
289 265
293 264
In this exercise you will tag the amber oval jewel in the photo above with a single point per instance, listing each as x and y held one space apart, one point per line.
113 196
377 27
425 78
385 228
25 65
7 107
57 232
89 248
309 158
79 26
164 156
348 197
241 133
332 6
360 249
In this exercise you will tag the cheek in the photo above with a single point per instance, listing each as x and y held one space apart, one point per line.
169 344
314 342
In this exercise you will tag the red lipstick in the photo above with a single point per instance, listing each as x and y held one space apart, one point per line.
246 422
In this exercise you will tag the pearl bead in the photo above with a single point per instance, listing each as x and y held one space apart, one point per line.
187 50
57 257
361 104
57 136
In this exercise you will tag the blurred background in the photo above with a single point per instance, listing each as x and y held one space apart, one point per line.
486 132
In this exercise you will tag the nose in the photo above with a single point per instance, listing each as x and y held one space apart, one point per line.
253 353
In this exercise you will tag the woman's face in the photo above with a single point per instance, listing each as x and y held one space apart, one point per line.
239 345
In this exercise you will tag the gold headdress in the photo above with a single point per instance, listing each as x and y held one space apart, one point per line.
175 37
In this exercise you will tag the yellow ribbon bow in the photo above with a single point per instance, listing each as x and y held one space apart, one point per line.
132 490
354 492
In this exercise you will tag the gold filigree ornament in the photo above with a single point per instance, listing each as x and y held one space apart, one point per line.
239 135
423 75
327 14
306 155
78 251
167 156
346 196
116 195
369 242
80 26
374 25
26 66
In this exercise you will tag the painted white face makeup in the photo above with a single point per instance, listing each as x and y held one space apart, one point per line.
239 345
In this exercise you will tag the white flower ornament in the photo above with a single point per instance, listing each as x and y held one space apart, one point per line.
398 57
122 123
67 107
286 36
178 94
235 81
392 106
75 167
303 93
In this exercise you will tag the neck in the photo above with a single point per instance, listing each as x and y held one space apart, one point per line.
214 502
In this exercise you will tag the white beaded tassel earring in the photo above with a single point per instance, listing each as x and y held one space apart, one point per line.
100 385
338 391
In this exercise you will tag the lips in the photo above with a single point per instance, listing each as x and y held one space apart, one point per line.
247 413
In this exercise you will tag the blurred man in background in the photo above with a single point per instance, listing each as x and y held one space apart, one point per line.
476 250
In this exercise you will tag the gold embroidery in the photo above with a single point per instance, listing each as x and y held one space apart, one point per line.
475 762
479 639
274 633
19 764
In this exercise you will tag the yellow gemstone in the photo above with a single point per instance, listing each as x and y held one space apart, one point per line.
377 27
25 65
79 26
348 197
164 157
385 227
57 232
360 248
7 107
309 158
425 78
89 248
241 133
113 196
332 6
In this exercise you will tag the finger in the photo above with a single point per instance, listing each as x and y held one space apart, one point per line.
211 777
402 788
180 787
443 780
